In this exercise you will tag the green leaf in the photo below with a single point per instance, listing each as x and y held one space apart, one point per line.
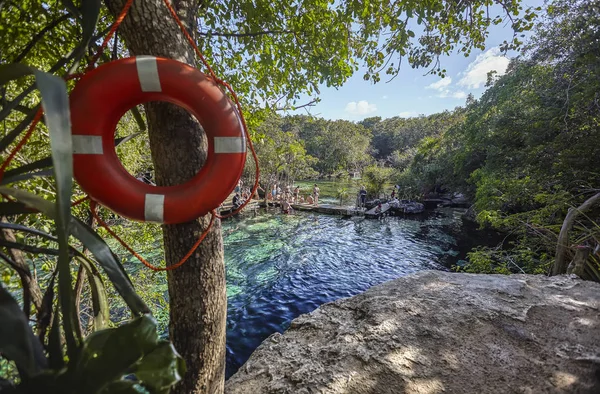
8 72
123 140
55 102
55 352
138 118
109 354
14 208
104 256
17 342
120 387
111 265
90 11
99 299
36 165
23 177
159 370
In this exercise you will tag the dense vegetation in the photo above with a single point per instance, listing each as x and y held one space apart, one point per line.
527 150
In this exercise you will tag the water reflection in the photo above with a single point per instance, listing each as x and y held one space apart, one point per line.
281 266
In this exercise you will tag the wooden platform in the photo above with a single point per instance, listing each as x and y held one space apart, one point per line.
330 209
227 206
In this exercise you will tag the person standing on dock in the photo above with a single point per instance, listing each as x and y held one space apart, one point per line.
363 196
256 195
237 201
316 192
296 194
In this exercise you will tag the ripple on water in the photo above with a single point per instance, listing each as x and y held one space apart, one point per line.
281 266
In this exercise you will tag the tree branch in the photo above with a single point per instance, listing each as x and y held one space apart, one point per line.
250 34
311 103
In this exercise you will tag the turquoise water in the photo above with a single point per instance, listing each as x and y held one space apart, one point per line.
281 266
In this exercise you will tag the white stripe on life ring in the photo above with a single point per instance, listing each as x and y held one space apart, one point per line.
154 208
230 145
87 144
147 70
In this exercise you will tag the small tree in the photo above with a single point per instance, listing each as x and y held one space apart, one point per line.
375 179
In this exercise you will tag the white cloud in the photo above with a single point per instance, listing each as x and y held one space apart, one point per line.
407 114
360 108
459 95
440 85
385 97
476 73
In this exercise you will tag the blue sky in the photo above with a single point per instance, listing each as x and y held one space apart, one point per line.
413 93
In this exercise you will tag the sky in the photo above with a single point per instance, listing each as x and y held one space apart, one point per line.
412 93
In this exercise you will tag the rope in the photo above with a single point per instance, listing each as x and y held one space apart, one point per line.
93 204
93 208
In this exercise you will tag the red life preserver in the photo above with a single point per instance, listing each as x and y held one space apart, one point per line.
105 94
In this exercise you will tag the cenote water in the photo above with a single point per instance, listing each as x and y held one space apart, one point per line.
281 266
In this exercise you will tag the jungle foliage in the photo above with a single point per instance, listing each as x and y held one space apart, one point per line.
527 150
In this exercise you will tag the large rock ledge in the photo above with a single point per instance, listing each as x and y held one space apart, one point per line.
435 332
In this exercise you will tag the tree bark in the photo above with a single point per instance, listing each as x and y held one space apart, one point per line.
197 291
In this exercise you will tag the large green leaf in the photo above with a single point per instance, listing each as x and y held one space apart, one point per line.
107 355
160 369
104 256
55 102
17 341
90 11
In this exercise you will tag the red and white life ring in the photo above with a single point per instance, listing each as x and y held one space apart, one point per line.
105 94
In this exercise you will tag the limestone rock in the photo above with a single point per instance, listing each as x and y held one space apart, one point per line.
439 332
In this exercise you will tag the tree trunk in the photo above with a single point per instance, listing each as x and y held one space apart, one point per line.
197 292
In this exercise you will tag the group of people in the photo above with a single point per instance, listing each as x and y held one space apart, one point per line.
242 194
288 196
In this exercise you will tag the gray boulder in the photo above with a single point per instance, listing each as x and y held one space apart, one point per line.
439 332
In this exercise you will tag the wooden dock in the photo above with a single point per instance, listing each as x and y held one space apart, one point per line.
329 209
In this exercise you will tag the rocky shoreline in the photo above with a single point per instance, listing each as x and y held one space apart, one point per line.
434 332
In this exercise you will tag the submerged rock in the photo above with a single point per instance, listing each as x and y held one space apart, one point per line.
435 332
